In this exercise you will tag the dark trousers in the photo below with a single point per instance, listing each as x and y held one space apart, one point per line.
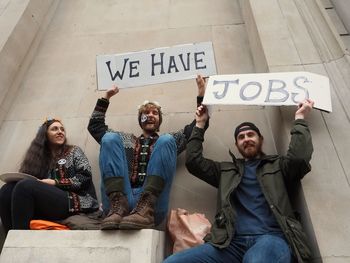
22 201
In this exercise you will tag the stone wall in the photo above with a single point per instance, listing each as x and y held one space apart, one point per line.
48 69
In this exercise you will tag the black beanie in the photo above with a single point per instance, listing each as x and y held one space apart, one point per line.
244 126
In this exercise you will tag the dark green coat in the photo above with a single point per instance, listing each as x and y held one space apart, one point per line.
276 175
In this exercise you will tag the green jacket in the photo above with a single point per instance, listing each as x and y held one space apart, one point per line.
277 175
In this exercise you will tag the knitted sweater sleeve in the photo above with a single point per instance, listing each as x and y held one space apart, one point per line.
97 126
182 136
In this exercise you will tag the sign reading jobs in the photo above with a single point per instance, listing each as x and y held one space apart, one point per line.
155 66
285 88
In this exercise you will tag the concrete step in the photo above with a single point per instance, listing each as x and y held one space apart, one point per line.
117 246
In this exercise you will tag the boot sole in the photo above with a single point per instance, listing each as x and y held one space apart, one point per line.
109 226
132 226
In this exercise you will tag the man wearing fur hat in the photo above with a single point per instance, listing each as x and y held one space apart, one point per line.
255 221
137 171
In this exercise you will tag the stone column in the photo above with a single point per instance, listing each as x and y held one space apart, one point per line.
343 10
297 35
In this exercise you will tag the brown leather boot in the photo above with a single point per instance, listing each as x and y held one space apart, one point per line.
119 208
142 216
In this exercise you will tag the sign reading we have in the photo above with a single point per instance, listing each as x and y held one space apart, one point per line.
155 66
285 88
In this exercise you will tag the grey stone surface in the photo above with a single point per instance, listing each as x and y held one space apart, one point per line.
57 77
21 25
325 189
343 10
337 21
144 246
346 40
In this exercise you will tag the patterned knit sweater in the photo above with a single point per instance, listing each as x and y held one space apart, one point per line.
97 128
73 174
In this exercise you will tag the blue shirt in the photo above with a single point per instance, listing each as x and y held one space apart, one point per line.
254 216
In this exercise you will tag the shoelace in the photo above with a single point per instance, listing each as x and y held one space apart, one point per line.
144 201
116 204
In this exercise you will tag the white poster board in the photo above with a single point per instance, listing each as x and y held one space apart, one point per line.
155 66
285 88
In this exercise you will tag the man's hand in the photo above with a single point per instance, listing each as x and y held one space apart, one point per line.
111 92
304 109
201 116
201 84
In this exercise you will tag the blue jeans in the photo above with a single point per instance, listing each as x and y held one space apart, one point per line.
246 249
113 163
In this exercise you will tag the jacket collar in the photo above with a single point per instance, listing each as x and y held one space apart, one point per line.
234 159
266 158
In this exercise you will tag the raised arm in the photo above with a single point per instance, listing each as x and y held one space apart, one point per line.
184 134
304 108
296 163
97 126
201 84
205 169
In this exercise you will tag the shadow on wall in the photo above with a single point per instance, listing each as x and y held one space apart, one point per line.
2 236
298 202
280 118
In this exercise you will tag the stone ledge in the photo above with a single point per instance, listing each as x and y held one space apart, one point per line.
143 246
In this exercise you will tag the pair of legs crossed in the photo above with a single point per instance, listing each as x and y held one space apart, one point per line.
22 201
162 163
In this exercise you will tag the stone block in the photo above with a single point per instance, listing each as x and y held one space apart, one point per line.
337 22
143 246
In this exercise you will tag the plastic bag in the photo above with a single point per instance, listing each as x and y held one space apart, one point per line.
187 230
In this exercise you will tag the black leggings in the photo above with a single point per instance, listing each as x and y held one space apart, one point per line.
22 201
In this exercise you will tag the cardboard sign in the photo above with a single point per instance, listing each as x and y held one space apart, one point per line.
285 88
155 65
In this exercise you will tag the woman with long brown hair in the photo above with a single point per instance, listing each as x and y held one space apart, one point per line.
64 183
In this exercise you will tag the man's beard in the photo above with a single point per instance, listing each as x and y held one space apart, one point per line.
154 128
251 150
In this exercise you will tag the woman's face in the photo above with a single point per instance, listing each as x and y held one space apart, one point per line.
56 134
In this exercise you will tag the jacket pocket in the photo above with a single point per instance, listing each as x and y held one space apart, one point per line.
219 234
297 238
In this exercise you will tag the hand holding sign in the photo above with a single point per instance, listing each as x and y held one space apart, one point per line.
201 116
201 83
304 109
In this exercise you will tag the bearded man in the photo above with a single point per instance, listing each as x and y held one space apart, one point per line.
137 171
255 221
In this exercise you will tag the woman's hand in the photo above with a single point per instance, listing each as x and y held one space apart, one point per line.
48 181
